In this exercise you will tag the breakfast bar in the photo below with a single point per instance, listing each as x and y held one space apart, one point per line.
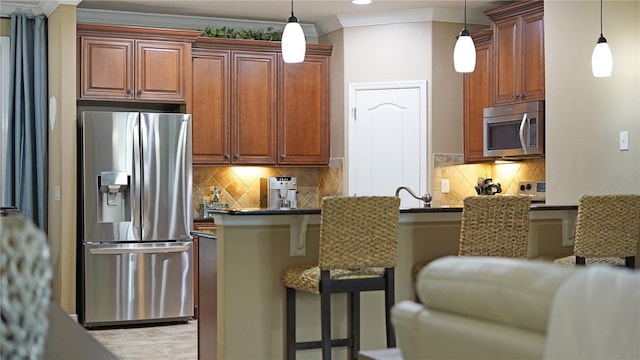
241 297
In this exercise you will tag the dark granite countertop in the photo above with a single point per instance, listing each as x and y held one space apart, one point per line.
258 211
210 234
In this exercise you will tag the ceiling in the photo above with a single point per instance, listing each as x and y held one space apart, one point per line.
307 11
310 12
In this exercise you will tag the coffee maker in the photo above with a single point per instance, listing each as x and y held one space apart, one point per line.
487 187
279 193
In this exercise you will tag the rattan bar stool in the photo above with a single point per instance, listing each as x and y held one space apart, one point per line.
607 231
358 251
492 225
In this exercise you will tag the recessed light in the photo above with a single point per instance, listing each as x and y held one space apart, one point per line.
361 2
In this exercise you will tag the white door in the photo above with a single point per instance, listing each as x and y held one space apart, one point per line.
387 140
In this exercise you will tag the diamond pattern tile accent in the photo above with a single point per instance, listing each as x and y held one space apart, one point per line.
240 185
464 177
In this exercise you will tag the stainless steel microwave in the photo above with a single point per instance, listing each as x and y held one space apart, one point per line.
514 131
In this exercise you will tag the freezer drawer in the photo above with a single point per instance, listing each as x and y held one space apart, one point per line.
137 282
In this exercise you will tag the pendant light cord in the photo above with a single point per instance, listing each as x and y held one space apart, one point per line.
465 14
600 18
292 12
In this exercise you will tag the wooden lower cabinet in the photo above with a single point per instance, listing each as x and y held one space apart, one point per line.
208 299
208 226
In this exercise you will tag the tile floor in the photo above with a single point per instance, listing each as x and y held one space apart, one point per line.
163 342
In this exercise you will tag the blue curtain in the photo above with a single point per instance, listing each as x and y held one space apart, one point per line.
27 149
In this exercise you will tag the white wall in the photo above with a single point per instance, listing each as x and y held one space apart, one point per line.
584 115
405 52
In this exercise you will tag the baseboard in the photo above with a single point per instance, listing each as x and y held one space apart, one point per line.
74 317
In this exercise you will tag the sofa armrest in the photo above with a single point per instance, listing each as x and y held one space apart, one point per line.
430 334
513 292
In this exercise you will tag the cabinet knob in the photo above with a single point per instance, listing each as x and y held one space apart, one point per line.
226 156
139 92
514 96
283 156
236 156
129 92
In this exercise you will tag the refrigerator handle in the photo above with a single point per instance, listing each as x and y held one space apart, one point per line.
116 250
137 174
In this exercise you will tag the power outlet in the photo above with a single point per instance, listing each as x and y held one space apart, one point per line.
444 186
624 140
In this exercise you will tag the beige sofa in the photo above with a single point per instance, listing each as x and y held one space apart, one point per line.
498 308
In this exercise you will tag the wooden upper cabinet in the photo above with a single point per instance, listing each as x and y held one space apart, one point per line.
477 96
134 64
253 108
210 112
161 68
518 41
106 68
303 118
250 108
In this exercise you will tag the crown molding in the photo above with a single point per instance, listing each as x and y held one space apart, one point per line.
33 8
403 16
109 17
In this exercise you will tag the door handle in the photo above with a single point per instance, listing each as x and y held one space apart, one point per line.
521 133
116 250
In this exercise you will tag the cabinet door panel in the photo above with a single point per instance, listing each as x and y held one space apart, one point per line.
303 125
106 68
160 69
210 111
506 60
533 57
254 106
477 95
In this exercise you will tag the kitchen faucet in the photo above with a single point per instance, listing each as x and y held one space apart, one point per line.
426 198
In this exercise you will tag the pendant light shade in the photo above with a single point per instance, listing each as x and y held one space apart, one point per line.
601 59
294 46
464 53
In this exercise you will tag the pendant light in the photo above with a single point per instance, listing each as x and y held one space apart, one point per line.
464 53
601 59
293 41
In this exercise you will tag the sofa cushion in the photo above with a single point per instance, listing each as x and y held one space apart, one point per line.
429 334
514 292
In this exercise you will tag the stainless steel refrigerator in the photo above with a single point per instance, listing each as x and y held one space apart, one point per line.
135 252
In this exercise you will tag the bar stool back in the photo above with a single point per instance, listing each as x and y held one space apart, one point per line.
358 251
607 231
492 225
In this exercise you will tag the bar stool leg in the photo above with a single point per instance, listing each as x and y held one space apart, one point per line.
291 324
389 300
325 324
355 323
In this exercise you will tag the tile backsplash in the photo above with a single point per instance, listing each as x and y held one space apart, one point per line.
464 177
239 186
